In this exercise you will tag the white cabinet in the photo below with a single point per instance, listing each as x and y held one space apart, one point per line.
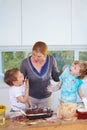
79 22
10 22
4 96
59 22
46 20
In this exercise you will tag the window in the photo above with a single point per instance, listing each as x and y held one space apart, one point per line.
10 59
63 57
83 56
13 59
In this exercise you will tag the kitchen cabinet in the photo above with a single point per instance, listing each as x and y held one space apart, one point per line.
4 96
47 20
79 22
10 22
59 22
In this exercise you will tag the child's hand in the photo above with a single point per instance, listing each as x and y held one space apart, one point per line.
27 83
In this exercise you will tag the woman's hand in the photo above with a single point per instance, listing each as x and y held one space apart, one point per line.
52 88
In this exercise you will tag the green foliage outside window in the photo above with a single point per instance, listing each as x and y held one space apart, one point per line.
63 57
83 56
13 59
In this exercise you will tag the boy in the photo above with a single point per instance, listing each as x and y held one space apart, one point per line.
18 90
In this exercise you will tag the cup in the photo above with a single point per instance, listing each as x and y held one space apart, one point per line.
2 118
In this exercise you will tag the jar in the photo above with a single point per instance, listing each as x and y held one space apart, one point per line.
67 111
2 118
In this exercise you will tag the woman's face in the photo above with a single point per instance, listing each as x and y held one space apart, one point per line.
75 70
37 56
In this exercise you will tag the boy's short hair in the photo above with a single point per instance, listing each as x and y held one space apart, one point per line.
10 76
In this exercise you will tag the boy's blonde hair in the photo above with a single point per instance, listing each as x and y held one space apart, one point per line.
83 67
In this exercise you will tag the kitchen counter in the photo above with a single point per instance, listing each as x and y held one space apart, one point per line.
53 123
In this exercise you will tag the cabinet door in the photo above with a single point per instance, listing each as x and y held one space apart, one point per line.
10 22
4 96
46 20
79 22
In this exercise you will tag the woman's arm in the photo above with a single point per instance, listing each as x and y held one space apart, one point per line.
55 72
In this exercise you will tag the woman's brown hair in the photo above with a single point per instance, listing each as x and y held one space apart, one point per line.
40 47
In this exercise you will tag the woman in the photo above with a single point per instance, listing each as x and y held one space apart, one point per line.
39 68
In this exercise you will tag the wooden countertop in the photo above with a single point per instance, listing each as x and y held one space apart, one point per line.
53 123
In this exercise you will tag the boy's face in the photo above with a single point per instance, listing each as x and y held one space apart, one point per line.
75 70
20 79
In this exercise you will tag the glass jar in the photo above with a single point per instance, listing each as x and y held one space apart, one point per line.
67 111
2 118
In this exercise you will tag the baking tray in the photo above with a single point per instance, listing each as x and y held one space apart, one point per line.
38 116
33 115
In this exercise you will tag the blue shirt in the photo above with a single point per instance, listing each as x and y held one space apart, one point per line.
70 85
